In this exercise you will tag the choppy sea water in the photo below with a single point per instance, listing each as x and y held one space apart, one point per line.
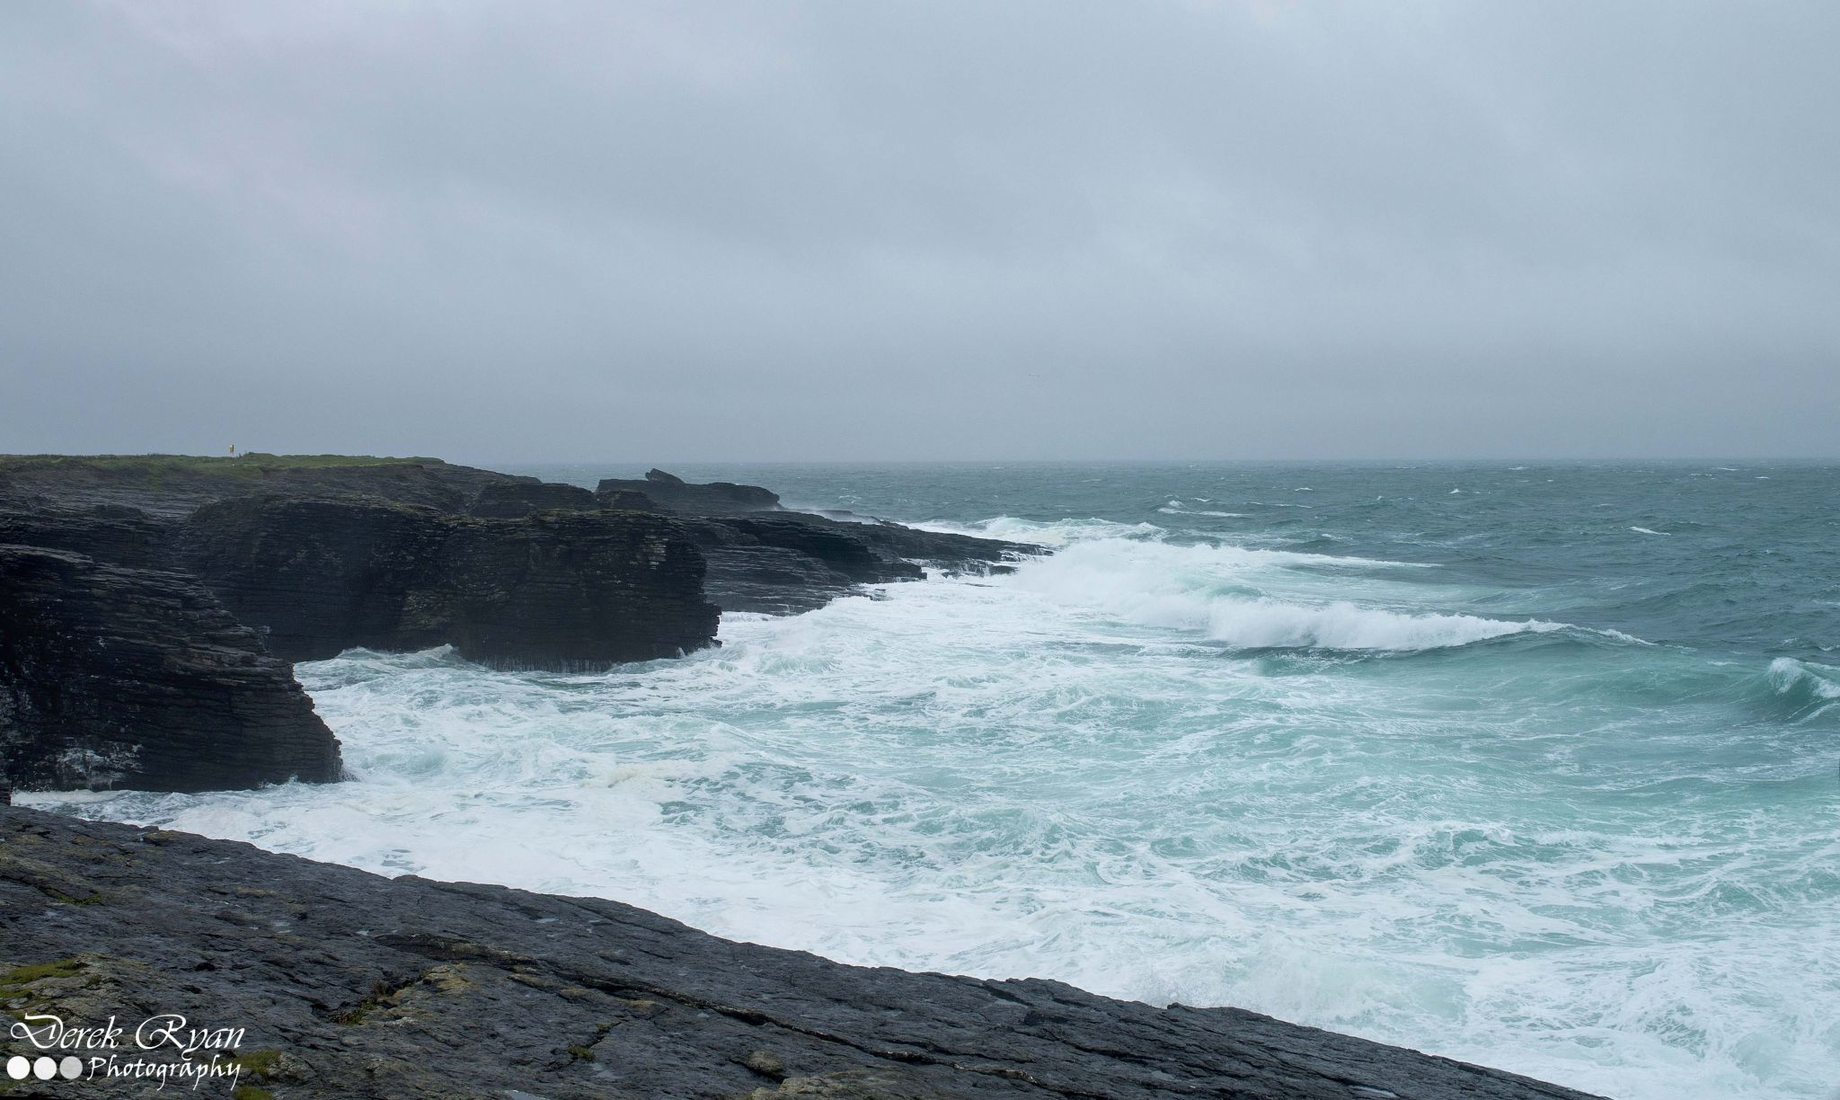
1532 766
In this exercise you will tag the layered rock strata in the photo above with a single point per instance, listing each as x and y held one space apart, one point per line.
309 555
557 590
348 984
765 558
114 676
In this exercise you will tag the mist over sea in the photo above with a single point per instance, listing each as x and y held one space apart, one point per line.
1531 765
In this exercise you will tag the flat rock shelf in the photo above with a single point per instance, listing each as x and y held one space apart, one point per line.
345 983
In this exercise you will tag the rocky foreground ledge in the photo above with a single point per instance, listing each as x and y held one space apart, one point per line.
301 979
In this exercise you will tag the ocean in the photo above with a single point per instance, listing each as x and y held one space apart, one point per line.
1531 765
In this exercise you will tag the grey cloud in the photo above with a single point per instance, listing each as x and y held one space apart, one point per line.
515 232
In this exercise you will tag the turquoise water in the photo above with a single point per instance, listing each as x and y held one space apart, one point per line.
1529 766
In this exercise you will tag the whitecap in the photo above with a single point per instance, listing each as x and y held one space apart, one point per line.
1057 773
1271 624
1053 534
1252 599
1788 675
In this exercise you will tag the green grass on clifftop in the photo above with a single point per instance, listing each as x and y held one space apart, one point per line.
254 464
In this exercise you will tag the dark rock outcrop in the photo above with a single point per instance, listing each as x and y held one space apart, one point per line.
675 494
174 485
118 677
516 499
784 562
322 553
765 558
781 562
151 670
560 590
627 500
348 984
761 557
111 533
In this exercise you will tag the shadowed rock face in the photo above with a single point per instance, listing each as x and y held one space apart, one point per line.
322 553
763 558
167 485
139 678
674 494
556 590
349 984
780 562
134 642
523 497
112 533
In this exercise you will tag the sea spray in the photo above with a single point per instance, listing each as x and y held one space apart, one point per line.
1496 778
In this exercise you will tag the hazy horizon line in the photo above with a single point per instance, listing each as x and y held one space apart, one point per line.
1154 460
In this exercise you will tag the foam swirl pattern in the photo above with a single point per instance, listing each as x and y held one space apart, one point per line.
1496 774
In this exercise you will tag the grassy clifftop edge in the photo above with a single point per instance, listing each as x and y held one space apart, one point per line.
253 464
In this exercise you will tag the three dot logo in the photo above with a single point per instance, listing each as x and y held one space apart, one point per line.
45 1067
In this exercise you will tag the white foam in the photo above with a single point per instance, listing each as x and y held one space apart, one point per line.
1201 512
1646 531
1787 674
1268 624
1065 773
1056 533
1249 598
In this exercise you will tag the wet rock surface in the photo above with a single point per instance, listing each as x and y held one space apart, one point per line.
557 590
173 486
113 676
112 533
673 493
302 557
783 562
348 984
767 559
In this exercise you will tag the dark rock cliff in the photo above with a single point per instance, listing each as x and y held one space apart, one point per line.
174 485
516 499
316 554
133 635
348 984
551 590
112 533
764 558
675 494
139 678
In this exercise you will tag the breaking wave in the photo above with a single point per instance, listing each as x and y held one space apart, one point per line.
1257 599
1164 765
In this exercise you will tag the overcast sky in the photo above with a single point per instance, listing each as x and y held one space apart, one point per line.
858 231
